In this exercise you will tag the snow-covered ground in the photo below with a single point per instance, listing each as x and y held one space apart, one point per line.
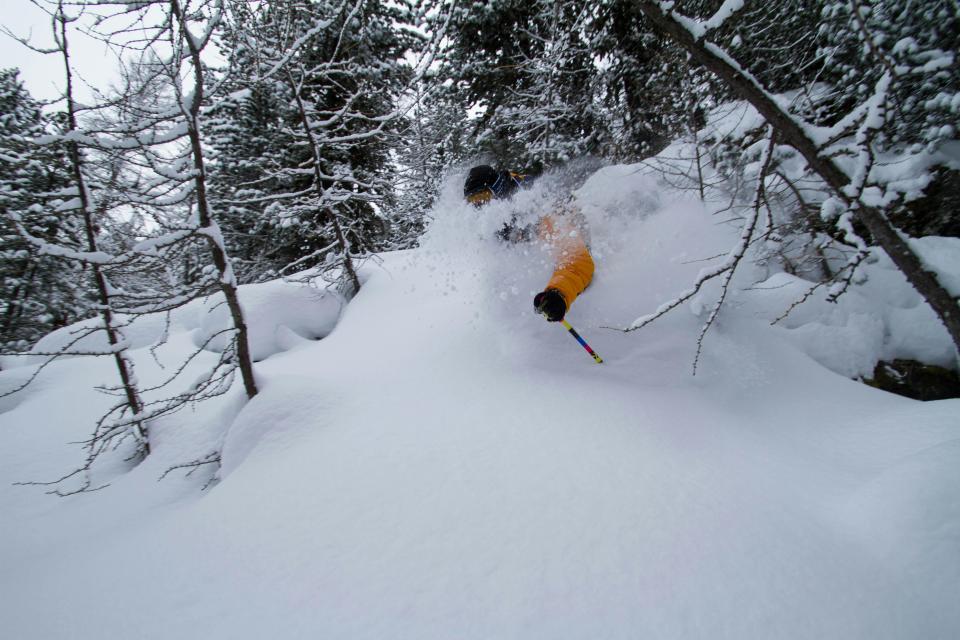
445 464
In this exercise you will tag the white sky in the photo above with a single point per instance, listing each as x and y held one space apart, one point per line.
43 74
93 63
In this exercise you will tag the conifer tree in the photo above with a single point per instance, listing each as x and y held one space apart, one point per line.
38 293
249 136
431 141
334 72
531 96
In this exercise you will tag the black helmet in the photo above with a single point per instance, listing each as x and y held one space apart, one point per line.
479 178
485 178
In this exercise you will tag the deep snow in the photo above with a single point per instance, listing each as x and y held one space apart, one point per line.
445 464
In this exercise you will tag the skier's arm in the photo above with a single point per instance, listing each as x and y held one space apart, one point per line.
574 265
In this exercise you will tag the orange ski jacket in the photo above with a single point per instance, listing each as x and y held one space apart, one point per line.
574 264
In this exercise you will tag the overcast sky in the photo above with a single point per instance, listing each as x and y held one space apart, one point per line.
43 74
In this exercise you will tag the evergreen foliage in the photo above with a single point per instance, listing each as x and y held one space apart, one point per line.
37 293
248 136
302 141
529 74
430 141
912 49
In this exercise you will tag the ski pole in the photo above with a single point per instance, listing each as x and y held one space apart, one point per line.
583 342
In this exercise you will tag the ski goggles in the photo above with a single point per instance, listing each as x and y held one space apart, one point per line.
481 197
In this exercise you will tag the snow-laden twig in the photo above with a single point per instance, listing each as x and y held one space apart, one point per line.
291 50
746 236
725 268
194 465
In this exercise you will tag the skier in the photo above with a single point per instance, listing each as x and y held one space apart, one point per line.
573 269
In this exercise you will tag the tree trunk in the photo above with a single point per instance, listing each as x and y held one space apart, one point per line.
318 186
124 366
220 260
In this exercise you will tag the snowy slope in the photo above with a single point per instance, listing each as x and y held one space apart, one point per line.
445 464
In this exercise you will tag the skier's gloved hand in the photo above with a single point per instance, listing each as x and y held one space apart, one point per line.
551 304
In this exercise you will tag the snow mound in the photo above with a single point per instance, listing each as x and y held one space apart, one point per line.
273 419
881 317
279 316
89 336
942 256
620 191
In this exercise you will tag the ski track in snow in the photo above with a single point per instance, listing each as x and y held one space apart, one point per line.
444 464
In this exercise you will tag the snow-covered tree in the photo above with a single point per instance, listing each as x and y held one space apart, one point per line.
125 420
531 97
431 135
548 110
431 140
140 156
249 142
903 57
636 71
38 293
157 123
321 81
873 148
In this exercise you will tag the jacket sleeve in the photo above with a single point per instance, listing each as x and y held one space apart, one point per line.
574 264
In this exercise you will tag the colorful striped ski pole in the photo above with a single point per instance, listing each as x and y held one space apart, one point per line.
583 342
